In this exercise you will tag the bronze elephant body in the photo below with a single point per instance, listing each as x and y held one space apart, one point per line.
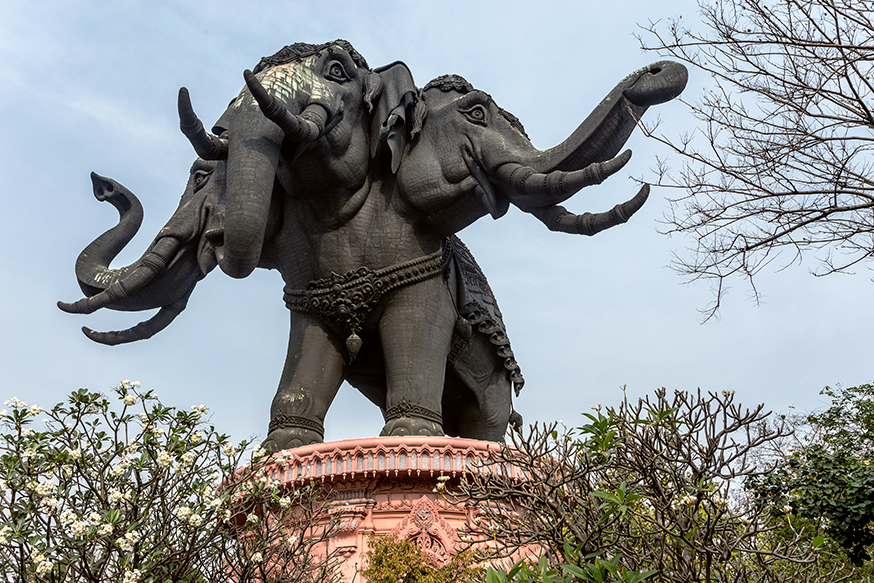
352 182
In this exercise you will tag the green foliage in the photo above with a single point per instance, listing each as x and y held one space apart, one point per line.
646 490
143 493
829 480
390 560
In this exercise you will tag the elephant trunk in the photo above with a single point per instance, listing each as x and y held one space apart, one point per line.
92 265
603 133
253 156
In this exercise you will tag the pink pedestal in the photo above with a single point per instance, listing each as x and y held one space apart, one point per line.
385 485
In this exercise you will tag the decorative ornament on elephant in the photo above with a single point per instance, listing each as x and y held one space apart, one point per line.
351 182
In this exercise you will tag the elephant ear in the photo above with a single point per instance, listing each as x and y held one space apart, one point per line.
399 108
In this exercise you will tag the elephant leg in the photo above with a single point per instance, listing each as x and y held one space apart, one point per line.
488 417
314 370
415 331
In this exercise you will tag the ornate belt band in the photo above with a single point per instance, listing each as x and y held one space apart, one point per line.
348 299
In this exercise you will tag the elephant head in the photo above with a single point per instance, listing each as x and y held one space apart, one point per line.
473 158
300 127
164 277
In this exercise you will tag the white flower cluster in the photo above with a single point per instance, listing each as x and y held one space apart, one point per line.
689 500
44 488
441 484
284 456
132 576
165 459
104 529
285 502
49 505
228 449
43 565
126 384
130 399
257 557
77 529
75 453
197 437
200 410
4 534
121 467
129 540
15 403
115 496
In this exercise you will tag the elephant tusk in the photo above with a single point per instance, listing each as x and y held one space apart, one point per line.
306 127
208 146
557 218
141 331
543 190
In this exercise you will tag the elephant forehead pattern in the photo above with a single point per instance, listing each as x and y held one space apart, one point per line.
288 81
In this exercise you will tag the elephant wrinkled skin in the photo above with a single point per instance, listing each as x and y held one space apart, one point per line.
351 182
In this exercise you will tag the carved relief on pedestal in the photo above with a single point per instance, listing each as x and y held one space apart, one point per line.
425 527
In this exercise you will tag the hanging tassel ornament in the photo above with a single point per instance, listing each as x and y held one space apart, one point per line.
353 345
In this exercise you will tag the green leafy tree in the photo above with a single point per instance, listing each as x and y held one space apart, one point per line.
828 479
391 560
647 490
145 493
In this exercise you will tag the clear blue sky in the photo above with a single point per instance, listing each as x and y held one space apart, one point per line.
92 86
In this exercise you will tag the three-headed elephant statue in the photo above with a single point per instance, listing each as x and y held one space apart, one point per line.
352 182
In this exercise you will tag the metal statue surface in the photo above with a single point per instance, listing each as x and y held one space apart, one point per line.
351 182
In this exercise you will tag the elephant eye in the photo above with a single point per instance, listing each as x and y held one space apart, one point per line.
334 71
200 178
476 114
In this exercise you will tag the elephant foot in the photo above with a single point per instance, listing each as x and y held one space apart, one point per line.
289 438
412 426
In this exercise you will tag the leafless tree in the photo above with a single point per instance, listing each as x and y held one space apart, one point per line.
782 160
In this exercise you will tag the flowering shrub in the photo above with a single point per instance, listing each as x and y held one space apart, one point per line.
144 493
648 490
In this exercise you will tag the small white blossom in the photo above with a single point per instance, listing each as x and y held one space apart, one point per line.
4 534
787 508
183 512
187 458
132 576
259 452
130 399
251 518
228 449
3 413
292 539
257 557
197 437
215 503
75 453
195 520
285 502
104 529
689 500
94 518
200 410
35 410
